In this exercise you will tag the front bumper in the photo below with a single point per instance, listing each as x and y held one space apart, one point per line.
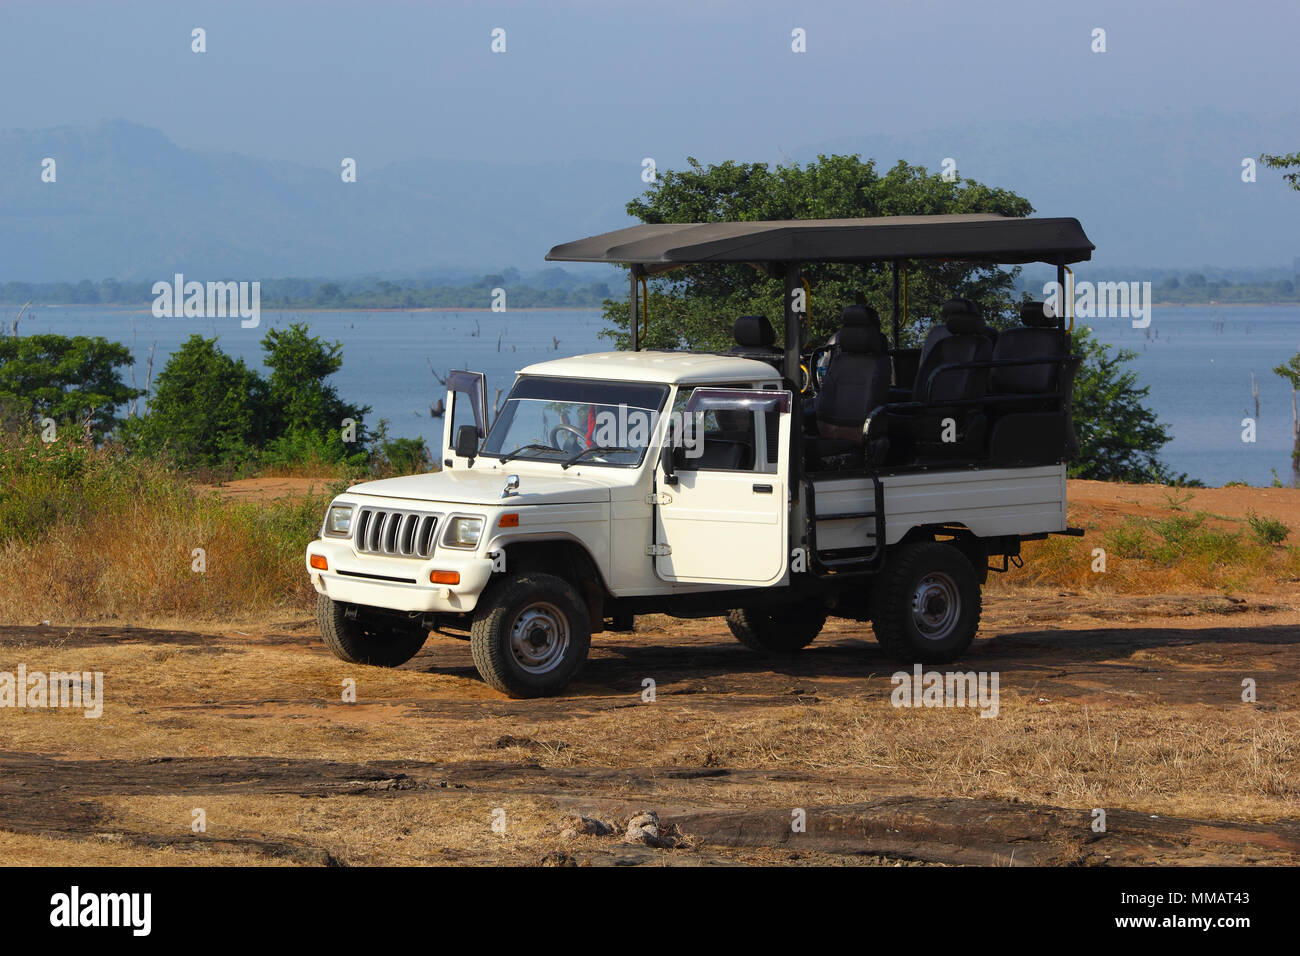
400 584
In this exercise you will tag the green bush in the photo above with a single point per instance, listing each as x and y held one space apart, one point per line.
211 410
1267 530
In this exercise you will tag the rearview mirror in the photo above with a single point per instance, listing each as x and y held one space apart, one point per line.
467 442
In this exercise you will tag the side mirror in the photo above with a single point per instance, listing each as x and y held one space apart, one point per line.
467 441
667 462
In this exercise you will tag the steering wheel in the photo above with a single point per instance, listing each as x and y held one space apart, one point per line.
573 432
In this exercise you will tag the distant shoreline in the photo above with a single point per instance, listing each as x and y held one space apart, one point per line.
297 308
135 307
1244 305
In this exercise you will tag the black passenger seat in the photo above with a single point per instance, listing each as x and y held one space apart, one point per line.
1039 429
856 383
966 341
756 339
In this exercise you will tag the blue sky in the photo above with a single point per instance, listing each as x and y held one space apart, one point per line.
1143 143
392 81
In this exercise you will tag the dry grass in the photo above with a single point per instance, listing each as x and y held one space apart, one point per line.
1217 760
1151 554
89 535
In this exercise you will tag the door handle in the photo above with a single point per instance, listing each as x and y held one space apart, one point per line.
762 489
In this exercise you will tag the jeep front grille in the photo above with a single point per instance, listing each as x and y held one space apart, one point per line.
402 534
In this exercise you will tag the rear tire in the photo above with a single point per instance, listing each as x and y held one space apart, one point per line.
376 641
925 605
779 630
531 635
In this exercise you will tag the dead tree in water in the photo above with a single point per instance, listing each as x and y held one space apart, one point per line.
19 316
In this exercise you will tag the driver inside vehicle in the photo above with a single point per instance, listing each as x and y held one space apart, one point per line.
571 421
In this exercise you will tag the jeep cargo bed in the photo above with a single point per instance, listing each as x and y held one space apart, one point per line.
990 502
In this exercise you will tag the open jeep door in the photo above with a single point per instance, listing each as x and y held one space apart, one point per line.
466 405
721 504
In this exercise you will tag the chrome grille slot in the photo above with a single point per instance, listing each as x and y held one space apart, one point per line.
400 534
424 540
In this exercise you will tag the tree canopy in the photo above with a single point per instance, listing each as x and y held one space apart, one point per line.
1289 163
210 409
74 380
696 306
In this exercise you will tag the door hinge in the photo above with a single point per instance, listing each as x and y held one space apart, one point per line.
655 550
659 498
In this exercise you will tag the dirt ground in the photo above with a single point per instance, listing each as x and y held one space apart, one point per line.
1128 704
1110 501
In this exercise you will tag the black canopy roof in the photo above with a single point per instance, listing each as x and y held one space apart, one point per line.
980 237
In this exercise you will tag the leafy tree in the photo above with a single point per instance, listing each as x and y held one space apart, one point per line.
1290 161
696 306
207 408
301 403
1119 438
1290 371
74 380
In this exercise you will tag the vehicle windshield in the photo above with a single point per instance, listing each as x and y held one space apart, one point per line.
554 419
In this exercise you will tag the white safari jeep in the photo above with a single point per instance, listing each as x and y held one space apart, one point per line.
875 488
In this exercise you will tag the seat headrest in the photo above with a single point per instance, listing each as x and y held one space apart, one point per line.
754 331
962 317
1035 316
860 315
860 338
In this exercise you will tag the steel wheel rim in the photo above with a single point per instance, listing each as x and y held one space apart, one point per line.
539 638
936 606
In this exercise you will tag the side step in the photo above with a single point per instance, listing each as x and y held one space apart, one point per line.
872 557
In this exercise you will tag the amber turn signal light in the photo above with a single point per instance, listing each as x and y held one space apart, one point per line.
508 521
319 563
444 577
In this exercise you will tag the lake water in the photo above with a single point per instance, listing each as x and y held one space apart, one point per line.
1197 361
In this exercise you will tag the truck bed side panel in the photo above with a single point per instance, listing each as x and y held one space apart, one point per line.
989 502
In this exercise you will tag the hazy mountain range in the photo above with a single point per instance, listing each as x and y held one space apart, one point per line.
129 203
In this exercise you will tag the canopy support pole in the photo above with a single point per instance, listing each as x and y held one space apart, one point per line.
794 291
634 310
894 316
1060 286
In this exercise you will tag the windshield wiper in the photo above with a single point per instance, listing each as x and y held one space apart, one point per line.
506 458
601 448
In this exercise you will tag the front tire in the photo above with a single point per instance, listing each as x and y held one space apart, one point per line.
925 605
375 641
779 630
530 636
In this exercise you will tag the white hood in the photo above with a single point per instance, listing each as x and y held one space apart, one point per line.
484 488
